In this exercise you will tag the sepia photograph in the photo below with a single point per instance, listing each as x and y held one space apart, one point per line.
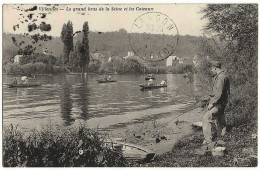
130 85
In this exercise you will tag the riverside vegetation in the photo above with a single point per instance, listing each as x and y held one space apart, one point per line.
55 147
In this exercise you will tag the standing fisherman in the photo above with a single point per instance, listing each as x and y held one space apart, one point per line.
217 104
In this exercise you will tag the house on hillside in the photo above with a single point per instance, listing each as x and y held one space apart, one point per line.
169 60
17 59
129 54
173 60
104 56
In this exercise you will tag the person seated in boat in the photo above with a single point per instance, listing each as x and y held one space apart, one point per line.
26 81
150 76
109 77
150 82
105 78
163 82
15 81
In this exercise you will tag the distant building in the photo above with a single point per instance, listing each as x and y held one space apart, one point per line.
129 54
169 60
173 60
17 59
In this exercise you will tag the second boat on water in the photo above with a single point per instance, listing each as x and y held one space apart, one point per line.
106 81
155 86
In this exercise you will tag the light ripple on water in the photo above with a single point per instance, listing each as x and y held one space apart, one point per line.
32 111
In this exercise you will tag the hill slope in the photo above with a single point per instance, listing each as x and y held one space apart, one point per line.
115 42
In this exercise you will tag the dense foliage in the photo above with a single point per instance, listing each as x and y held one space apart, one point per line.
53 147
84 62
34 64
67 39
31 69
75 57
133 66
46 59
122 66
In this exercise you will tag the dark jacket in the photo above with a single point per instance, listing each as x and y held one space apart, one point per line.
220 90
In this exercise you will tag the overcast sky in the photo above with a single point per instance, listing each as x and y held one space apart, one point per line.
186 17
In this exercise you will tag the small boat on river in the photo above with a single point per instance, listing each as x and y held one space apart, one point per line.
154 86
22 85
131 151
106 81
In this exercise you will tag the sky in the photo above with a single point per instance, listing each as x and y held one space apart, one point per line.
185 16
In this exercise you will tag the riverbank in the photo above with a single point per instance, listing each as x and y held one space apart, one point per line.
176 144
159 134
241 145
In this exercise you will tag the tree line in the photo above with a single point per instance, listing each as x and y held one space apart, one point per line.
77 56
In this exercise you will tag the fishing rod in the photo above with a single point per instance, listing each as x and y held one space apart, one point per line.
180 115
195 107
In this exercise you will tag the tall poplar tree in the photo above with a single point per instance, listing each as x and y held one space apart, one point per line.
67 39
85 47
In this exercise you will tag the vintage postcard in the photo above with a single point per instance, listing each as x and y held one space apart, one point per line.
129 85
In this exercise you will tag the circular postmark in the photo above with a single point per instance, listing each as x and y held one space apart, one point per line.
154 36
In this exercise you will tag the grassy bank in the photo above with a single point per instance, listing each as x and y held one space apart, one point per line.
54 147
240 144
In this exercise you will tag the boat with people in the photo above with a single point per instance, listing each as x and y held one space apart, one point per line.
25 83
152 86
106 81
22 85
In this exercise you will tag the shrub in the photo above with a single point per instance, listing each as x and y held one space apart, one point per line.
56 147
32 68
12 68
94 66
34 58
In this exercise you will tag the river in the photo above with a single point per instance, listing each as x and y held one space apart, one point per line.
67 100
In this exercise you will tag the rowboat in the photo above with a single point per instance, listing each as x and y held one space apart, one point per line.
131 151
22 85
106 81
155 86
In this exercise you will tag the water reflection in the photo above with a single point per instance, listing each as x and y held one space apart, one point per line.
170 80
66 102
83 101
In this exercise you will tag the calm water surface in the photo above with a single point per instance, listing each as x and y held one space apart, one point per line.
73 99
